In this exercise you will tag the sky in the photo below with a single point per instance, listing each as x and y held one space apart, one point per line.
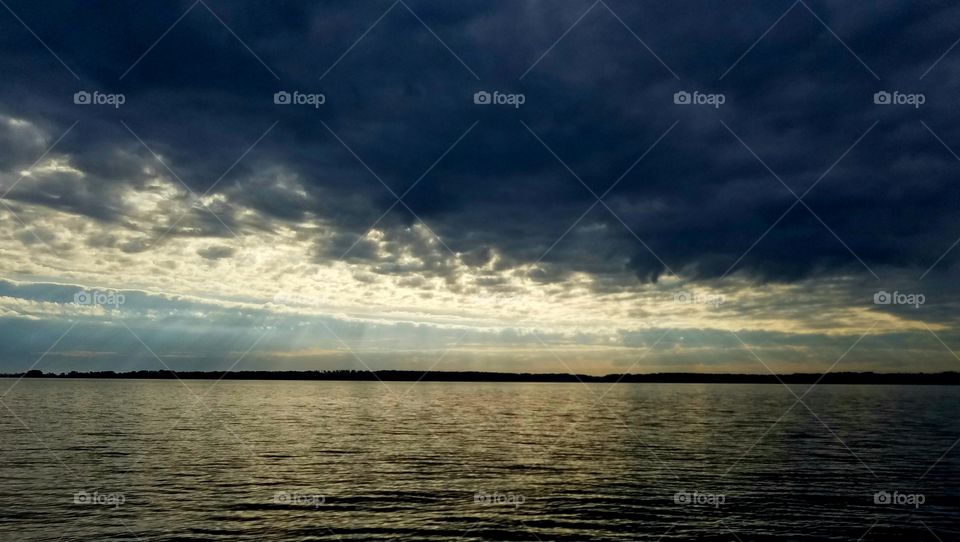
545 186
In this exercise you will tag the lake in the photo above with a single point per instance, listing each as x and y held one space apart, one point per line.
161 460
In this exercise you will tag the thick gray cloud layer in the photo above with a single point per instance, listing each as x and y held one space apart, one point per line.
599 99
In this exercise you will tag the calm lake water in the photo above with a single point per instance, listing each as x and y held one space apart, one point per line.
144 460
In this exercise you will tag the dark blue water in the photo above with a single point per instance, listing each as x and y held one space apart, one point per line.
239 460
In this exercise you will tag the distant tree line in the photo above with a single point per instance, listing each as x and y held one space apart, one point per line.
946 378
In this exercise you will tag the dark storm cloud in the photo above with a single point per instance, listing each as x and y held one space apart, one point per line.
216 252
599 99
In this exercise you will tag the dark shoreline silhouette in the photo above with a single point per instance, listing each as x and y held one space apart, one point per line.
947 378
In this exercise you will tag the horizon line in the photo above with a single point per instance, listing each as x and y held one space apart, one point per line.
397 375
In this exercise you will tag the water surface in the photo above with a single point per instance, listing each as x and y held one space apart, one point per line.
249 461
